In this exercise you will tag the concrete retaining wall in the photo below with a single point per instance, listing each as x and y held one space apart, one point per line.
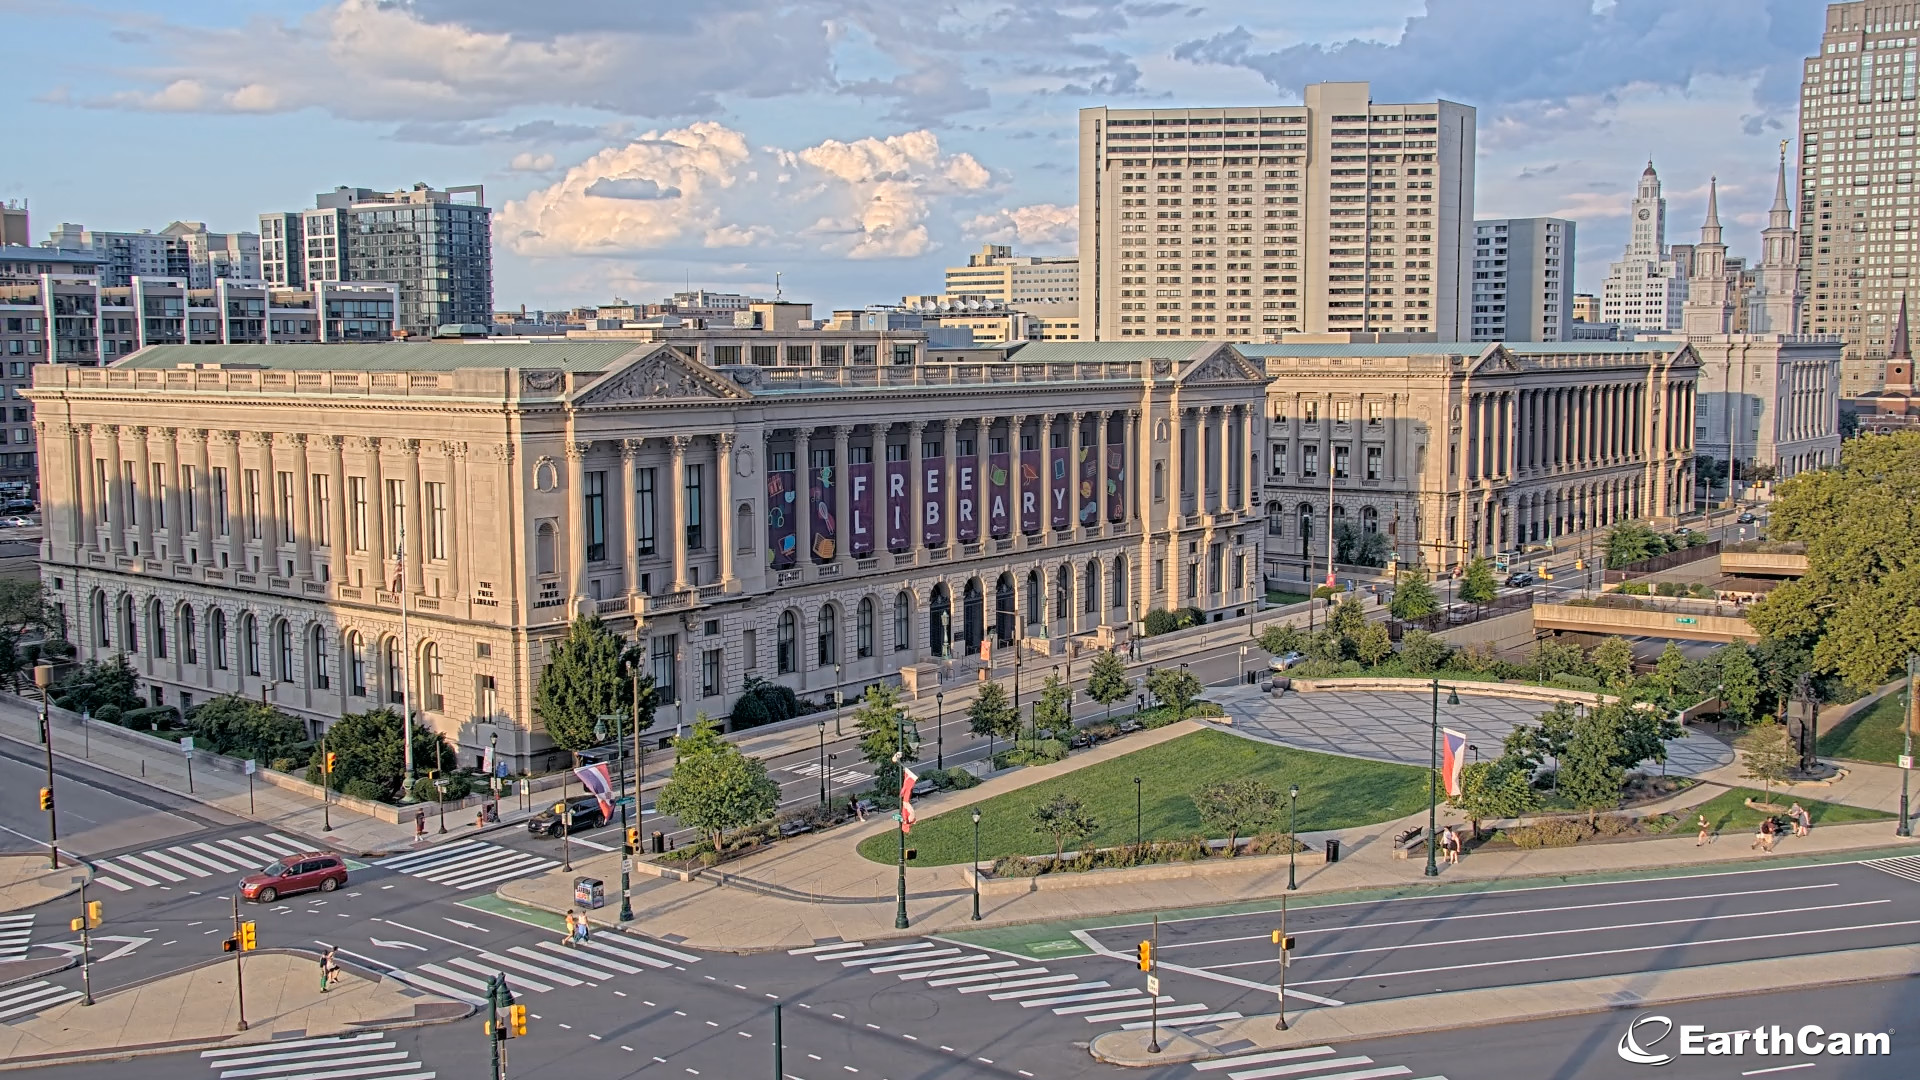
1644 621
1548 694
1504 632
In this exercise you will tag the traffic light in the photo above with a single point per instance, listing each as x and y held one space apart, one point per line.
633 839
248 940
331 758
46 798
230 945
1146 956
516 1020
1286 943
96 914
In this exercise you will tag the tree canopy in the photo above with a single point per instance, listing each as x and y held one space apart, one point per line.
1240 805
1177 687
885 729
1107 682
1413 598
589 674
715 788
370 757
1478 585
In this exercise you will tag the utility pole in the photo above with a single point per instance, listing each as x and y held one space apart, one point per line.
241 941
1906 744
43 678
779 1070
90 916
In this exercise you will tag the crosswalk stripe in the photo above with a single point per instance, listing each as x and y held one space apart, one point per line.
617 965
1263 1058
951 957
962 980
1044 980
322 1040
518 868
112 884
1900 866
638 958
199 861
522 965
456 977
131 860
226 860
1210 1018
287 844
362 1065
1015 995
1069 999
16 919
419 981
257 855
995 965
655 947
515 980
33 997
419 858
1101 1006
1356 1074
1137 1013
279 1052
174 861
578 967
471 862
876 951
865 961
835 947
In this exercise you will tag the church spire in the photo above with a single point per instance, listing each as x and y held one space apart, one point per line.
1901 349
1782 212
1710 229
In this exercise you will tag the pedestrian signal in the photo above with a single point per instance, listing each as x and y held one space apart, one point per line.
1285 943
516 1020
46 798
230 945
1146 956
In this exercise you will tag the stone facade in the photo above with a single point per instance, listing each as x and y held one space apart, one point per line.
240 528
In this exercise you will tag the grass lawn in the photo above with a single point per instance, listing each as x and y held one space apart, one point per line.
1871 734
1283 599
1335 793
1728 812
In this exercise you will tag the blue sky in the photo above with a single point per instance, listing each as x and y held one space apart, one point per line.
630 147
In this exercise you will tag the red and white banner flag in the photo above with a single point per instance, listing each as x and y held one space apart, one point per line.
907 780
1453 755
598 780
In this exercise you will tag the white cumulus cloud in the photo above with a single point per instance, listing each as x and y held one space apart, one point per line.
1048 225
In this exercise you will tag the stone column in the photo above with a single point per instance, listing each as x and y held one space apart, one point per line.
1102 476
87 534
842 495
236 504
724 520
1076 443
1176 423
679 444
1133 464
951 461
140 492
379 530
982 488
629 504
1225 437
576 526
199 497
802 505
416 536
1016 526
167 498
337 539
1249 480
302 512
1049 426
916 510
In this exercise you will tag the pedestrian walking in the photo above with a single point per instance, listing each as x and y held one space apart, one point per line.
1706 832
1450 843
329 969
582 930
1802 822
1763 840
419 824
573 930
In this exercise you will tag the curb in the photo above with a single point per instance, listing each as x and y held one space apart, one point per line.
14 980
79 864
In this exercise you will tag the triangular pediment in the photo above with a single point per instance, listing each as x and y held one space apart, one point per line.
660 376
1496 359
1221 364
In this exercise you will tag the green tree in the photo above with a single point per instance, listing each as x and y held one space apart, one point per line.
371 753
589 674
1670 675
992 715
1478 585
242 727
1373 645
1551 657
1107 681
1053 708
1240 805
1495 789
1177 687
1064 818
1545 739
1422 652
1769 755
1347 619
1283 638
1629 542
886 729
715 788
1613 659
95 684
1588 776
1739 681
1413 598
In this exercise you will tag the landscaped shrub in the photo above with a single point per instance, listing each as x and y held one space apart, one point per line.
1160 621
1615 825
960 779
107 714
1554 832
151 718
1421 652
1574 682
1632 588
362 789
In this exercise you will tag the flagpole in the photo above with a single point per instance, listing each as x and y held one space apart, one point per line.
906 795
406 675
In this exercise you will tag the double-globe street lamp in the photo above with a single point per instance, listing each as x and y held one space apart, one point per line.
1433 775
1293 842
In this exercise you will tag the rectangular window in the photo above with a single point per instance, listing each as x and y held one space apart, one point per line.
712 663
750 650
665 648
1310 412
1343 411
158 486
397 510
322 500
189 498
643 512
285 481
695 475
1309 461
357 512
1374 455
435 495
221 494
1376 412
596 496
1342 459
486 696
1278 462
252 507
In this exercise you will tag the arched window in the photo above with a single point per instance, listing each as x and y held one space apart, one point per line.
787 655
902 622
1276 519
102 636
1369 519
283 651
354 648
189 640
827 643
546 555
1063 592
217 638
1119 581
250 644
317 662
396 692
1036 605
157 628
1090 594
129 633
863 629
430 677
940 622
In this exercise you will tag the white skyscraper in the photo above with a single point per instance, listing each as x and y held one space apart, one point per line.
1647 288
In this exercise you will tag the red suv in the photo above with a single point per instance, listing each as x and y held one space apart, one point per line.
321 870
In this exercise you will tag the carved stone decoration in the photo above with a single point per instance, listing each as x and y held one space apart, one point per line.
1160 431
500 452
630 449
453 448
743 460
746 376
660 377
542 381
580 449
546 474
328 442
1162 366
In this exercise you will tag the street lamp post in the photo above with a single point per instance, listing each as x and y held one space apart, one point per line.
900 887
831 758
976 864
1137 839
838 700
1906 748
823 764
1293 818
439 779
940 729
1433 775
1476 753
43 678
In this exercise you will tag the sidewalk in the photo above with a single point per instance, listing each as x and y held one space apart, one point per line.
115 750
819 888
30 880
198 1007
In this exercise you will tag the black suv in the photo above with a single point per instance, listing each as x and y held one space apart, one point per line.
573 816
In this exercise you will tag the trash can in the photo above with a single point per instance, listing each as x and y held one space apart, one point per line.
1333 851
589 892
659 842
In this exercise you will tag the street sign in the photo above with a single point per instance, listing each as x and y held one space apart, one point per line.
251 767
1153 985
1685 620
186 743
1906 761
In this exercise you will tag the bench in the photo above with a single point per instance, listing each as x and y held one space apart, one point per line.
1407 842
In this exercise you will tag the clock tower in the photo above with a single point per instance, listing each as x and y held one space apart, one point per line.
1649 238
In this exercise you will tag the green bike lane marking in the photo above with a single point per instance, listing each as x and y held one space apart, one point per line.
1054 938
507 909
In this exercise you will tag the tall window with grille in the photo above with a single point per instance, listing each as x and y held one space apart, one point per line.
434 497
643 510
252 507
696 475
665 651
596 498
712 663
357 512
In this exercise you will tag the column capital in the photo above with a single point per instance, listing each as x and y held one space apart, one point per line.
725 440
331 443
138 431
291 438
630 448
578 450
1133 414
364 444
453 448
679 444
842 431
166 432
916 427
411 447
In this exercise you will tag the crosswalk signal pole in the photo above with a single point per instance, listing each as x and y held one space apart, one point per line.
89 918
779 1069
494 1035
1284 944
239 985
43 678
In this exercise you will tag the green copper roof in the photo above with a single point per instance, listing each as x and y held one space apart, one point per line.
396 356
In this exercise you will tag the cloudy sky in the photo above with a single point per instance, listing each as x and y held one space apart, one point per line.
630 147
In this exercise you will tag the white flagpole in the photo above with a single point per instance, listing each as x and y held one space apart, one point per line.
406 674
